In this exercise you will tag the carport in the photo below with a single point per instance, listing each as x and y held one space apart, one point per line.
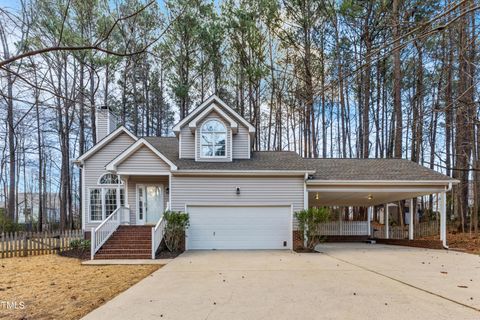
372 183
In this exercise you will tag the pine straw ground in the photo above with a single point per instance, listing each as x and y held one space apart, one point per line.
465 242
54 287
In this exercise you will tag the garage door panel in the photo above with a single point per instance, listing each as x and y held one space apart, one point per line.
239 227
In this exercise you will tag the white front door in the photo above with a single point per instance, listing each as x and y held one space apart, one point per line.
239 227
150 203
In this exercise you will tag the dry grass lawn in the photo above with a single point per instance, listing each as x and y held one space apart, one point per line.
54 287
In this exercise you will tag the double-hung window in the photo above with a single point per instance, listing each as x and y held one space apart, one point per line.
107 197
213 139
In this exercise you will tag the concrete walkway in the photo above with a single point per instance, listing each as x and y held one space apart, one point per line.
347 281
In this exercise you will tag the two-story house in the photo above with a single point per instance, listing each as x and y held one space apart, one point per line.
236 198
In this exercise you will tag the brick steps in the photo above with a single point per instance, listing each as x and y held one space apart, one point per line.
128 242
125 246
122 256
124 251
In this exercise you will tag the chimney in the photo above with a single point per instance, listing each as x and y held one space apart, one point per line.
106 122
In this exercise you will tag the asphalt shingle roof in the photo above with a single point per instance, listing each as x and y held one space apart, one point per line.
325 169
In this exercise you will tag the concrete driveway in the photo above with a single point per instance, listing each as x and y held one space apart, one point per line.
345 281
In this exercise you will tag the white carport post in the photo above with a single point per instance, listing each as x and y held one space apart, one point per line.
369 215
387 224
443 218
410 226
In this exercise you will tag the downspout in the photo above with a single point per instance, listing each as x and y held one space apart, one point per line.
305 205
444 242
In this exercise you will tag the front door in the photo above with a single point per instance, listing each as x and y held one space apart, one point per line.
150 203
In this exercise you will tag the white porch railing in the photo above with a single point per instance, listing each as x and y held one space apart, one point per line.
157 235
343 228
108 226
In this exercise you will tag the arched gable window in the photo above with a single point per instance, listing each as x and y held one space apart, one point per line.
213 139
109 178
107 197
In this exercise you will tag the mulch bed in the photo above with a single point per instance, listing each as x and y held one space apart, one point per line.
76 253
167 254
304 250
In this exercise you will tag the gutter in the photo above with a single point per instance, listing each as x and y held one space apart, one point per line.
242 172
382 182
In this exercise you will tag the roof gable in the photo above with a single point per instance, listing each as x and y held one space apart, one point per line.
209 110
112 165
209 104
107 139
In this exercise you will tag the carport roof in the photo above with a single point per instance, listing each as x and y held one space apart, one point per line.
372 169
325 169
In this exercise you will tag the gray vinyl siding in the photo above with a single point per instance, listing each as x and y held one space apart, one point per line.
132 183
188 143
228 142
259 190
94 167
143 160
240 145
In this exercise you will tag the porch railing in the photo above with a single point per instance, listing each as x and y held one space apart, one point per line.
157 235
343 228
108 226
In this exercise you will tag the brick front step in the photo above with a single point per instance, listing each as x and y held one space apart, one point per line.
135 237
126 246
124 251
121 256
134 229
128 242
131 241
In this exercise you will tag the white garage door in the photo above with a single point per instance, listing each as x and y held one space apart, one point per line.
239 227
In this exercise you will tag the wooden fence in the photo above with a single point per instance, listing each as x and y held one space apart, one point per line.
22 244
422 229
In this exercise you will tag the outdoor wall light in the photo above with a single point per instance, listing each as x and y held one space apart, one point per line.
167 190
370 197
237 191
316 196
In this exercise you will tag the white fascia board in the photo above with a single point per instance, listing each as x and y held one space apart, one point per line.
375 190
142 173
103 142
112 165
241 172
213 107
381 182
213 98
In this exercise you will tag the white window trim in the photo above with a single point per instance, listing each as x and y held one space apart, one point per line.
213 144
121 183
90 204
103 188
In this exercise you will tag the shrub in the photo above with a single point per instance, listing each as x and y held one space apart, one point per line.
176 224
80 244
308 221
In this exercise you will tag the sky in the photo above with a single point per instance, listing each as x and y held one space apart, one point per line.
10 4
